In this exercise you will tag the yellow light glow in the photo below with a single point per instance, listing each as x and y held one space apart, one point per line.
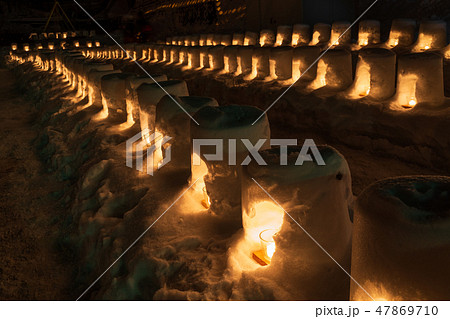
97 44
320 80
412 102
14 47
206 202
262 40
406 90
315 38
295 39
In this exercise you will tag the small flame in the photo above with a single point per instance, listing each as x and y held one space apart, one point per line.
270 250
412 102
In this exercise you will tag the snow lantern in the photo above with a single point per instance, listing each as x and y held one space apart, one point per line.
230 54
244 60
251 38
420 79
172 121
338 37
39 46
209 39
97 44
284 35
217 39
281 63
95 86
400 240
303 58
183 56
174 54
51 46
194 57
375 75
166 53
89 44
26 47
14 46
432 36
446 52
402 33
334 71
194 40
216 57
203 39
300 35
148 97
86 68
157 53
204 56
260 64
113 96
219 180
321 34
226 39
132 102
293 190
369 32
266 38
238 39
76 44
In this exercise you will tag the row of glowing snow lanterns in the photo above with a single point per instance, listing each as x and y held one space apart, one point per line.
51 45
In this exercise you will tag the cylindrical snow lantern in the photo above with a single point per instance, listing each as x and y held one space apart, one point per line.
244 60
148 97
302 60
114 94
219 151
226 39
238 39
284 35
266 38
420 79
302 192
172 121
260 64
281 63
369 32
334 71
432 36
321 34
301 35
230 54
402 33
251 38
401 240
375 75
340 34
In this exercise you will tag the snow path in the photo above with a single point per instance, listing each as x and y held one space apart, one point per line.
30 266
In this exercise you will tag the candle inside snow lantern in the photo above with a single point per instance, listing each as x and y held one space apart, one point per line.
51 46
97 44
334 71
338 37
264 256
26 47
400 240
14 46
76 44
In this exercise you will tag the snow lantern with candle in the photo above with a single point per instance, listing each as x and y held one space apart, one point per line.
266 38
220 176
375 75
148 97
280 63
432 36
230 54
400 240
368 33
301 35
402 33
244 60
251 38
292 194
340 34
302 60
334 71
238 39
216 57
321 34
260 64
227 39
284 35
420 79
114 87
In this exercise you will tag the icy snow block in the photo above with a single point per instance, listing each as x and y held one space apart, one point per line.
226 39
321 34
216 57
132 85
238 39
402 33
172 120
284 35
266 38
245 55
150 94
369 32
337 30
230 54
375 74
251 38
194 57
432 36
281 62
420 78
301 35
319 198
401 240
303 58
229 124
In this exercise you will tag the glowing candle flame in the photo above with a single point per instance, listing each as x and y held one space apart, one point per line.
412 102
